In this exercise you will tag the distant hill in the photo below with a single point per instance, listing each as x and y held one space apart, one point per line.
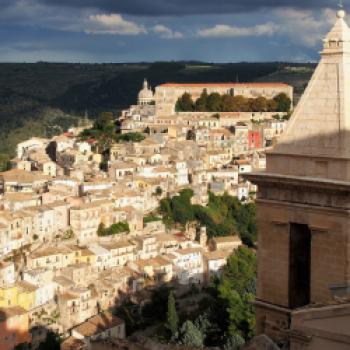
41 99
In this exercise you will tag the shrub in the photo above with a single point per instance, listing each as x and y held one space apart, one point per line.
130 137
114 229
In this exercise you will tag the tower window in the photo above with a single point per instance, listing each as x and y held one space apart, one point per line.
299 265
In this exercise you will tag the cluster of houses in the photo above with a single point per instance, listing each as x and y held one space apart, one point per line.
58 267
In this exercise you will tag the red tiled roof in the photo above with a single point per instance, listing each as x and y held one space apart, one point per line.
179 235
269 84
91 141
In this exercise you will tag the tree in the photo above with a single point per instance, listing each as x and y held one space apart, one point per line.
151 218
130 137
224 215
182 209
165 210
258 104
190 335
214 102
184 103
156 310
103 131
227 103
52 342
202 323
119 227
234 342
236 289
101 229
287 116
159 191
172 318
271 105
201 103
283 102
4 162
104 121
240 104
107 118
165 206
114 229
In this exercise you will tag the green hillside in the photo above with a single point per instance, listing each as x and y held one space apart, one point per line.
43 98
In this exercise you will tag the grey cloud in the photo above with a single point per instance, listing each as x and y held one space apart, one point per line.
187 7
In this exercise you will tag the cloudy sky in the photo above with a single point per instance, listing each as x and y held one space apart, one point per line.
157 30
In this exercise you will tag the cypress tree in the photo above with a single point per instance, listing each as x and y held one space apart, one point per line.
172 318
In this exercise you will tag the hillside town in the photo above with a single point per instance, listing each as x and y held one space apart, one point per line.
184 213
80 229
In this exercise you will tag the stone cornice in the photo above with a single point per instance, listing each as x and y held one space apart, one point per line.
307 207
300 181
315 157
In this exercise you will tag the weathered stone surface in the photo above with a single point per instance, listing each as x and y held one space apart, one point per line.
317 140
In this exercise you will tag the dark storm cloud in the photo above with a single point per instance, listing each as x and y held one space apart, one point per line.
188 7
153 30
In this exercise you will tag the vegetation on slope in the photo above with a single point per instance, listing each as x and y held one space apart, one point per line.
104 132
42 123
224 316
224 215
235 290
114 229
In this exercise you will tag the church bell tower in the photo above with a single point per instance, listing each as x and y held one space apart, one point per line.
303 200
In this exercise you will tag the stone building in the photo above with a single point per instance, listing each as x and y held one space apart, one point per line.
35 143
166 95
14 327
303 213
84 221
100 327
77 305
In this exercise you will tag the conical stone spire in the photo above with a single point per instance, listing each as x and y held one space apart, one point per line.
319 128
339 37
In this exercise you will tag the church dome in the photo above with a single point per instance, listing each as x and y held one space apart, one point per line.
146 94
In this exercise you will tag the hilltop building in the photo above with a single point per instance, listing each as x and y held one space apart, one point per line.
303 213
166 95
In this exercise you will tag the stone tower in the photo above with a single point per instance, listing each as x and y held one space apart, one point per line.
303 199
202 236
